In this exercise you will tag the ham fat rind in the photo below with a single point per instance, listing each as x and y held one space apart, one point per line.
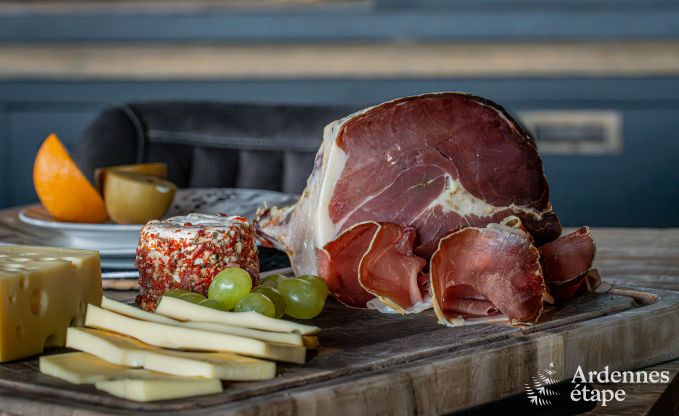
484 272
434 162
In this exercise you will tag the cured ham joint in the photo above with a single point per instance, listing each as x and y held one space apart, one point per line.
447 177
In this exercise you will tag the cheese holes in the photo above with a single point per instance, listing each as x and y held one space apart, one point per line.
12 298
38 302
20 332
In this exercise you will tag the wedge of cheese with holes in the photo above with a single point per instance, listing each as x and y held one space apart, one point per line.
131 311
182 338
187 311
123 350
42 292
128 383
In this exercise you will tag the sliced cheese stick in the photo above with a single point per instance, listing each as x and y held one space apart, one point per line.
186 311
131 311
279 337
134 312
114 348
157 389
83 368
169 336
222 365
123 350
128 383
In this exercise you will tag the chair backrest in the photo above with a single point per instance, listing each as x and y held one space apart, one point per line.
212 144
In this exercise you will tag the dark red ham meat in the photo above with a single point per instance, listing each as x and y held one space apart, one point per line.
483 271
338 264
568 257
373 259
390 271
566 261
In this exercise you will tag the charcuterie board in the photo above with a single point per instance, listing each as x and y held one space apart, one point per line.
373 363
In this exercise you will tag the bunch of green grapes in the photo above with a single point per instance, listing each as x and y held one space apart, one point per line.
301 297
304 296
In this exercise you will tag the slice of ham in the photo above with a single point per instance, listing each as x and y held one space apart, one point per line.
372 260
435 162
464 301
568 257
338 263
390 271
566 261
480 271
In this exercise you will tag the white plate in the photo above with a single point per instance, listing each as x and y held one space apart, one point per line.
110 239
115 263
117 240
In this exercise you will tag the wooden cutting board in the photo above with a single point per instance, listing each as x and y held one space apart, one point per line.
372 363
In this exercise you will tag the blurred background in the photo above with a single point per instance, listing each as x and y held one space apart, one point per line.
597 81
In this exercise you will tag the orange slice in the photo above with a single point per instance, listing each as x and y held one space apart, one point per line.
62 188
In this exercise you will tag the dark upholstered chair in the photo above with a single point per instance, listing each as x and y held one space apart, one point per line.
211 144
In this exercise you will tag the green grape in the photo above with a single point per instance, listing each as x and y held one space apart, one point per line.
230 286
275 297
258 303
303 300
192 297
316 280
271 280
175 293
211 303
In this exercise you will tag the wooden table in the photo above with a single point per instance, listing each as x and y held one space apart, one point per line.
640 257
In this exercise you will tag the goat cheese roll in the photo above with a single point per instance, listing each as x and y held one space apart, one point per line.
187 252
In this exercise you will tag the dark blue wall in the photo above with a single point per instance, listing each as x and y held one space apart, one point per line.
637 187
